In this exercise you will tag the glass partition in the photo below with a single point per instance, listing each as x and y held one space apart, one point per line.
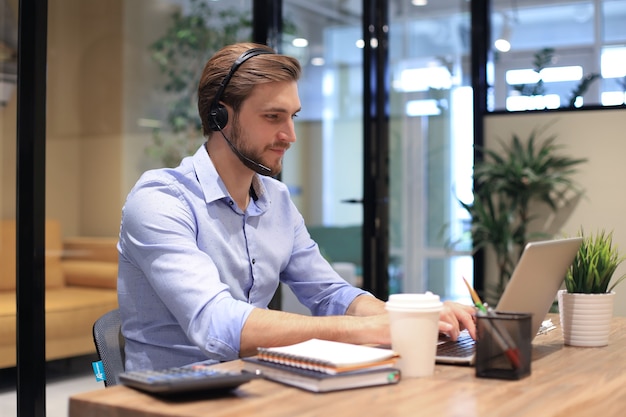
558 54
107 106
8 133
431 147
324 168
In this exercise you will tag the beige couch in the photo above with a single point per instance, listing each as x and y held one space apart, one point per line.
81 279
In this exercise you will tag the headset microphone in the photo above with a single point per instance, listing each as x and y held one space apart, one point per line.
219 114
253 165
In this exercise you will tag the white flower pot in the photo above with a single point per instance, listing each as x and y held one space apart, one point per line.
586 318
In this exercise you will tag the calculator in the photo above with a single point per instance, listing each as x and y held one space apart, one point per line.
186 379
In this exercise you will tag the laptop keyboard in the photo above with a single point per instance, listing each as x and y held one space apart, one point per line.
463 347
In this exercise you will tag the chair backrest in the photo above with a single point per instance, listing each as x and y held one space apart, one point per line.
107 336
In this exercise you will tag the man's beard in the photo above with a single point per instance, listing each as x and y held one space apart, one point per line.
242 145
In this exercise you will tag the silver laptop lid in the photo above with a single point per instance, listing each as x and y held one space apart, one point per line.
538 277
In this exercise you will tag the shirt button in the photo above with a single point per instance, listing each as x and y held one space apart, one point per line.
253 261
231 202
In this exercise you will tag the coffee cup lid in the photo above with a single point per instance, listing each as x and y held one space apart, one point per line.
414 302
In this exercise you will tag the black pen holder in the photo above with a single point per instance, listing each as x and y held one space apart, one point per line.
504 345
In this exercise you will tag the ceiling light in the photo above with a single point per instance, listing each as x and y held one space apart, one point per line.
300 43
317 61
503 43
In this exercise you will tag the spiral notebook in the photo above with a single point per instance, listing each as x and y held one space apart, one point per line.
320 381
328 356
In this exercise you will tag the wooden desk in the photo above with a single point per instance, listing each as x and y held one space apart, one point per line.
565 381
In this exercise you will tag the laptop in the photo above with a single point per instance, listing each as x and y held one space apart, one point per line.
532 289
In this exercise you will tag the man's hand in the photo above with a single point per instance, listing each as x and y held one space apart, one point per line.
455 317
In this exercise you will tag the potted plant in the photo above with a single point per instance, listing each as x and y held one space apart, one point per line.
586 305
511 183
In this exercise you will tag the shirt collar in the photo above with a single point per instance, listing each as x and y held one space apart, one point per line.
214 188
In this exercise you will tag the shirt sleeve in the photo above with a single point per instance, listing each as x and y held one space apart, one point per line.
313 280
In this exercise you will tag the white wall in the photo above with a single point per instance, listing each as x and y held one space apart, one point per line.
599 136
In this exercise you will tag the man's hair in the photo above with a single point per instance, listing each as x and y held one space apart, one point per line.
263 68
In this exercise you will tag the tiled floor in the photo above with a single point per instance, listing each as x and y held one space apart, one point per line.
64 378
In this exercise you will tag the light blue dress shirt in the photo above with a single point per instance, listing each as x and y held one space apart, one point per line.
193 265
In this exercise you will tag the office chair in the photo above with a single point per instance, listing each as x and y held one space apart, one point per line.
107 336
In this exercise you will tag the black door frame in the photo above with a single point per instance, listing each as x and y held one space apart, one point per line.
375 241
31 208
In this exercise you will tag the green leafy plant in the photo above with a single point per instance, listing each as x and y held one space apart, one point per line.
582 87
190 40
509 182
594 265
541 60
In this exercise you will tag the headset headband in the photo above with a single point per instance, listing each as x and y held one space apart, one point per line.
250 53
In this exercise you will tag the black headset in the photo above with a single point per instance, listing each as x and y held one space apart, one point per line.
218 115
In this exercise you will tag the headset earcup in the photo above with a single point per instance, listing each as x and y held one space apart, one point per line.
219 118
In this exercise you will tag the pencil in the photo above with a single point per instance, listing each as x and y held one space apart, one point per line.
475 298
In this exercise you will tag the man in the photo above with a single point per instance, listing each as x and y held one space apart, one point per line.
204 246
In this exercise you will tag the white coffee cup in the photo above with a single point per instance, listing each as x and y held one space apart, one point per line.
414 321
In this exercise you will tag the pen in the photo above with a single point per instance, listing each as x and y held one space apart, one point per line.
502 337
